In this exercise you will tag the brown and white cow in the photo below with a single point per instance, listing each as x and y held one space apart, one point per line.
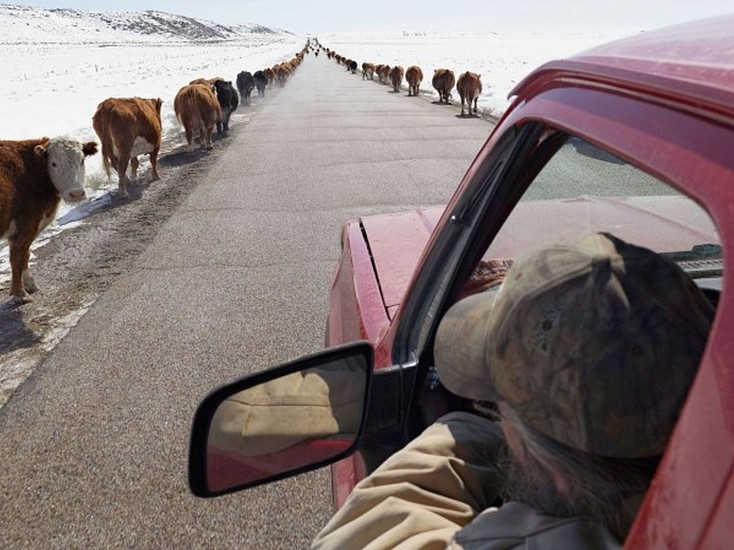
443 82
383 71
34 176
128 127
469 87
270 75
396 77
197 108
368 71
414 77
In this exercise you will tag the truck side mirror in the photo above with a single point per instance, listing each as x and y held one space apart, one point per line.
281 422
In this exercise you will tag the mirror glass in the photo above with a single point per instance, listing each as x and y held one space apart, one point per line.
295 420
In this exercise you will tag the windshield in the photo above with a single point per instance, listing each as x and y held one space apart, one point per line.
583 189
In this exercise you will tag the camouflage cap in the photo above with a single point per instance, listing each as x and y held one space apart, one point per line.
594 342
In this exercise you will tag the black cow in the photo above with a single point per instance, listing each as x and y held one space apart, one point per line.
228 101
352 66
245 85
261 81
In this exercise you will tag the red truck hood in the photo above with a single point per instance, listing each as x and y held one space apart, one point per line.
396 242
661 223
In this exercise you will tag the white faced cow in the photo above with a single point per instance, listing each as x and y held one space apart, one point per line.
34 176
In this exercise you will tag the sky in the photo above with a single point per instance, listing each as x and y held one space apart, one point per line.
319 16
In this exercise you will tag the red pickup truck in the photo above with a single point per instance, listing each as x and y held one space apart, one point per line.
635 138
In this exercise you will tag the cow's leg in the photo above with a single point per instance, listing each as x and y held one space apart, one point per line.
475 104
134 168
206 135
122 173
28 282
189 137
115 161
154 164
20 275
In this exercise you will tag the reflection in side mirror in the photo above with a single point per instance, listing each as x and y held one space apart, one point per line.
284 421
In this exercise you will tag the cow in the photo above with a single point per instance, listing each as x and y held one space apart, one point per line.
270 75
368 71
469 87
443 81
352 66
414 76
282 72
245 85
35 175
128 127
382 73
261 82
197 108
228 101
396 77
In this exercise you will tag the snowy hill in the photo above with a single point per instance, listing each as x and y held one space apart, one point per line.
24 24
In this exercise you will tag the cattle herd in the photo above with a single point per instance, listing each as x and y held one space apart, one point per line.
36 174
468 85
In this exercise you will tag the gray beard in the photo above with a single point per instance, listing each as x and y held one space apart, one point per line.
534 489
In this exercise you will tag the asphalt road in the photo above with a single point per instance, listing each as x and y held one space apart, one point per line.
230 277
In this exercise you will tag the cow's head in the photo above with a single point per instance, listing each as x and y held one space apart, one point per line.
65 162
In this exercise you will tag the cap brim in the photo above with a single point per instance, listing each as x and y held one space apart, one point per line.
460 350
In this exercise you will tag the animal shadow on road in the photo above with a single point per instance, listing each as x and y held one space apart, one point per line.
16 335
181 156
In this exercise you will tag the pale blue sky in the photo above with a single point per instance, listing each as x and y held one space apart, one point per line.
321 16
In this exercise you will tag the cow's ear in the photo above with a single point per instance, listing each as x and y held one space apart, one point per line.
40 151
158 103
89 148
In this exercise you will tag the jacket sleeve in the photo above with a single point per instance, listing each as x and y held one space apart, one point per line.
423 494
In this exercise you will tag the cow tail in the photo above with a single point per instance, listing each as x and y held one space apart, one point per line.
107 149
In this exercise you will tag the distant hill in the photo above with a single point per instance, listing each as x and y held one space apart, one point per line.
20 24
